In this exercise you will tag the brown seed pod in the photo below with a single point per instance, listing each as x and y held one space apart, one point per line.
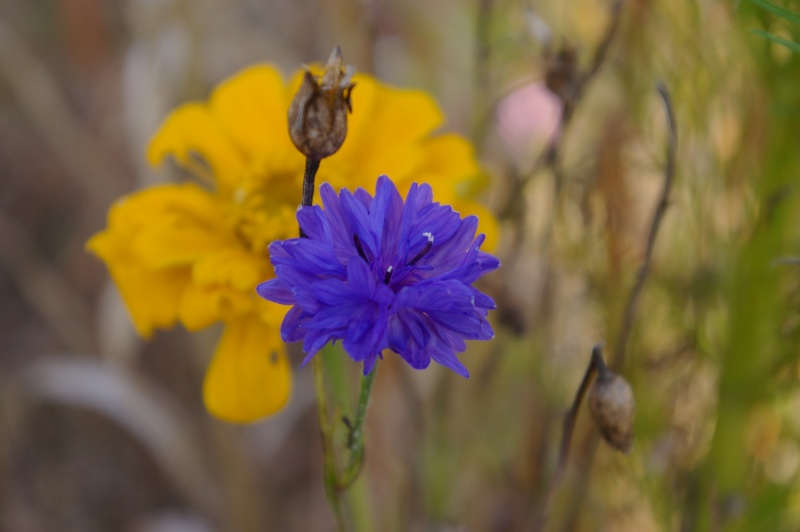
561 71
318 113
612 406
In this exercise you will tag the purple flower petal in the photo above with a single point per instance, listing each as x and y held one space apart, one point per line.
275 290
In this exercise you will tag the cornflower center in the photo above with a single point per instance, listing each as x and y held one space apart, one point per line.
387 276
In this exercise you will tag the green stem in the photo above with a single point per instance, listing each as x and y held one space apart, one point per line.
336 485
329 460
356 434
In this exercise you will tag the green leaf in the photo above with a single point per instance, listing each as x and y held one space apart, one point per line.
774 38
778 10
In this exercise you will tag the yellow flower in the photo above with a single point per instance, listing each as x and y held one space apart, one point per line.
194 252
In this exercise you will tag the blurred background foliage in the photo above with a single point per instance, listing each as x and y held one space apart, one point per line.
100 431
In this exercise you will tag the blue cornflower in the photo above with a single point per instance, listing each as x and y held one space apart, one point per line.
380 273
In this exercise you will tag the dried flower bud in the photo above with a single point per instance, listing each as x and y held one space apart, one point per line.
612 406
561 71
318 114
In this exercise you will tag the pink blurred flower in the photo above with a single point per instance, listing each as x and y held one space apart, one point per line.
527 118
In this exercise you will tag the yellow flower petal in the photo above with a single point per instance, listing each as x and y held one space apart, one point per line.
176 240
223 287
453 173
384 134
199 307
251 109
138 209
401 162
249 377
449 158
190 133
202 306
187 226
234 267
385 116
271 313
152 297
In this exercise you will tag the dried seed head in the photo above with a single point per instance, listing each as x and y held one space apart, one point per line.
318 114
612 406
561 71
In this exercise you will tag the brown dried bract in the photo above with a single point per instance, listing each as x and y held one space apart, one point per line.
612 406
318 114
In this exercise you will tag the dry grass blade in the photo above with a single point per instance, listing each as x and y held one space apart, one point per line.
149 417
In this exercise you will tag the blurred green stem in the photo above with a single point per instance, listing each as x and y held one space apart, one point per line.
329 460
481 116
341 399
329 470
337 483
355 438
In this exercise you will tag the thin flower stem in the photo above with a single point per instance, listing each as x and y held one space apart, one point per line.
336 484
596 364
617 361
312 165
620 347
356 435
